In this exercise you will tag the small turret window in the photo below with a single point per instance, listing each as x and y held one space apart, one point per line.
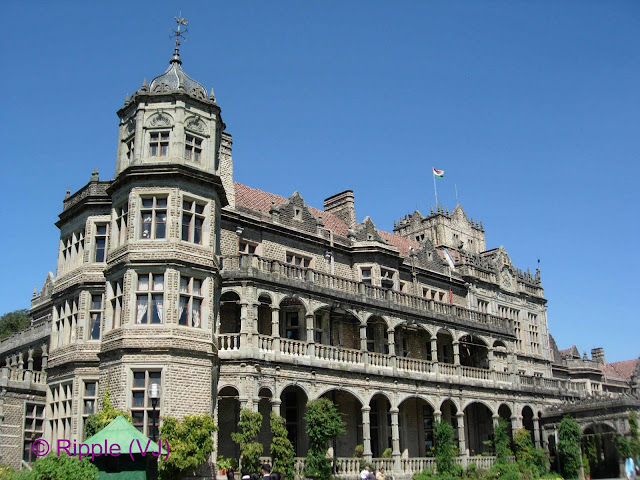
129 147
193 148
159 144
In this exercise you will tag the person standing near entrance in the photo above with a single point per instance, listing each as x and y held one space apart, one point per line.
630 468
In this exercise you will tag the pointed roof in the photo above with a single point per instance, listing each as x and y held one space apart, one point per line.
175 79
122 433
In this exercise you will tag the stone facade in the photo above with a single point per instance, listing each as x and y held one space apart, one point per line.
231 297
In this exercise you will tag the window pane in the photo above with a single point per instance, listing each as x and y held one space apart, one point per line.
161 224
138 399
161 202
187 152
157 309
183 310
138 380
164 150
90 389
197 285
154 377
147 202
158 282
95 326
138 420
184 284
165 136
96 302
143 282
186 205
101 230
196 155
199 209
89 407
197 233
141 309
185 227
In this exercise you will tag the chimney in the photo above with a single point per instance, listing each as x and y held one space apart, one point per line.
342 206
597 355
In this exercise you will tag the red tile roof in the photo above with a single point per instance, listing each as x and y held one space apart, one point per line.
255 199
623 370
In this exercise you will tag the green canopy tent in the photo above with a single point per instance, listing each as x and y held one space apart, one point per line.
124 439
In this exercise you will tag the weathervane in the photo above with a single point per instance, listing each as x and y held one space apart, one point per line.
177 33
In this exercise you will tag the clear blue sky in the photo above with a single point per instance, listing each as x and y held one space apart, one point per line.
531 108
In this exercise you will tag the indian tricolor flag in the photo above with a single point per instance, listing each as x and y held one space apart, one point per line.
438 173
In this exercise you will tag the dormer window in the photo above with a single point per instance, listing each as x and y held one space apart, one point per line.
193 148
159 144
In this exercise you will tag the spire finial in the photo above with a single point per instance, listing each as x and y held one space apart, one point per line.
178 34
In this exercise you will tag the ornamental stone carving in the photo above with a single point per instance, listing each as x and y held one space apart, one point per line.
196 124
160 119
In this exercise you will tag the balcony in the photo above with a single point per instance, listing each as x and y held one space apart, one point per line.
23 379
251 266
276 349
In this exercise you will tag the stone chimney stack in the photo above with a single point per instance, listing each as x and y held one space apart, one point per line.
342 206
597 355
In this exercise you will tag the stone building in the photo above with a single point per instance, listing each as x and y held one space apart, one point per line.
232 297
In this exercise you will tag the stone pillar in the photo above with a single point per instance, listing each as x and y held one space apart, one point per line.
275 405
275 328
495 418
437 416
363 338
30 359
308 322
45 357
216 412
461 437
490 357
253 324
391 333
456 353
434 349
515 424
14 361
243 324
395 439
20 361
366 432
536 431
243 402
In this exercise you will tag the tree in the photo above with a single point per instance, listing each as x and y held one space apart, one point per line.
569 435
529 458
501 441
323 424
104 417
14 322
634 441
282 452
445 448
55 467
190 441
250 450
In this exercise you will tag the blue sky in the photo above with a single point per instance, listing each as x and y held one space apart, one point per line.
531 108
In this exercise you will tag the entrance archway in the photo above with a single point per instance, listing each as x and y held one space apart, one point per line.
350 409
478 428
293 408
228 417
416 427
598 444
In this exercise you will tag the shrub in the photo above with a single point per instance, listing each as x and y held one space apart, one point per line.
388 453
358 452
54 467
323 423
282 452
6 472
505 471
501 441
443 435
530 460
250 450
190 441
569 435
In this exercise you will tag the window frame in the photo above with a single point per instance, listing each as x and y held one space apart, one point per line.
100 236
159 143
90 318
193 151
191 296
146 407
154 211
194 215
151 295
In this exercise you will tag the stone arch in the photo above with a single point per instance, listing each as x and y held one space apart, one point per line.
336 326
505 413
366 318
382 394
349 405
527 421
348 390
293 399
228 413
379 420
292 318
473 351
416 417
377 334
478 420
444 341
264 407
265 304
449 410
412 341
230 312
598 444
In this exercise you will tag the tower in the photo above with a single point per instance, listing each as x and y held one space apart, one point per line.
137 288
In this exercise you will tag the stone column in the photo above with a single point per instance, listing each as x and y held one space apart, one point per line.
20 361
392 346
275 328
30 359
243 324
275 405
395 439
366 432
308 322
490 357
363 338
461 437
253 324
456 353
45 357
434 349
515 423
495 418
536 431
437 416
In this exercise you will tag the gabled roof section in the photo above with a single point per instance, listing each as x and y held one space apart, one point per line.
261 201
623 370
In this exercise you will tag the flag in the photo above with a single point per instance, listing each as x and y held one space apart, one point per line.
438 173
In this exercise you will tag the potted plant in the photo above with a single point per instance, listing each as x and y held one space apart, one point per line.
224 464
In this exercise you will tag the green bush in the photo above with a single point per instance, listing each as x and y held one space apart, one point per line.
501 441
425 474
249 428
532 461
445 449
282 452
6 472
505 471
190 441
323 424
569 435
54 467
388 453
104 417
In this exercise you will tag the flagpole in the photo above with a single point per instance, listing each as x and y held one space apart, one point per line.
434 187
